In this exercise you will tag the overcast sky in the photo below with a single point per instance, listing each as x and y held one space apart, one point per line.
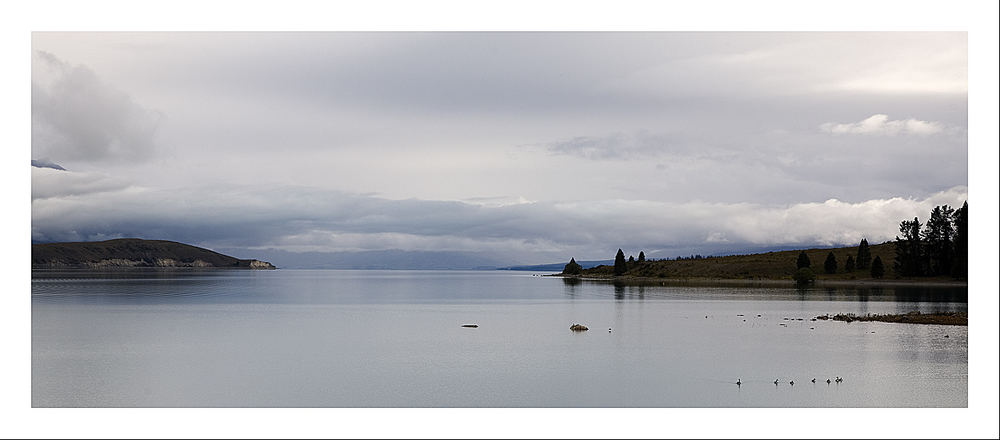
531 146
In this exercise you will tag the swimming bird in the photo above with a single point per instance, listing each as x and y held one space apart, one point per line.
814 380
828 381
775 382
840 379
791 382
739 382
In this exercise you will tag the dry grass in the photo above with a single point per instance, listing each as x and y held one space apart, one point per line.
766 266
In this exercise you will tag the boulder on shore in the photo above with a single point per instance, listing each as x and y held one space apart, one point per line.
578 328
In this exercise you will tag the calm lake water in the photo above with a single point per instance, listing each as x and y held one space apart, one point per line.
313 338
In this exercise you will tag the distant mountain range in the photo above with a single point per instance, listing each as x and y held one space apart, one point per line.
383 259
557 267
133 252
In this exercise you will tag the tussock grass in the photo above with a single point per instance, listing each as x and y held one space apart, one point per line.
766 266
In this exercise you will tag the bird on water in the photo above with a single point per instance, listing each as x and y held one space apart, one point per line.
814 380
739 382
828 381
775 382
791 382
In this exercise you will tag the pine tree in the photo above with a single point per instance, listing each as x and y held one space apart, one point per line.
909 249
878 270
960 267
803 260
864 255
642 257
830 265
572 268
938 234
849 265
620 267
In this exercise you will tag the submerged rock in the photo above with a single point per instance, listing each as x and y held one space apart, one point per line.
578 328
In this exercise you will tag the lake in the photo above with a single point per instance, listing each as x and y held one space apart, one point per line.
318 338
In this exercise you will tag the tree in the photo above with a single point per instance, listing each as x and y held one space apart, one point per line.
620 265
830 265
849 265
938 234
877 269
642 257
803 260
804 276
572 268
909 249
960 267
864 255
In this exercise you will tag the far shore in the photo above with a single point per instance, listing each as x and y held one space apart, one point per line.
768 281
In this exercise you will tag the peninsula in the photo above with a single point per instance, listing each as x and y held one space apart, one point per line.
770 267
133 253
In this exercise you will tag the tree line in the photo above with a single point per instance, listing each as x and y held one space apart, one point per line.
863 262
938 248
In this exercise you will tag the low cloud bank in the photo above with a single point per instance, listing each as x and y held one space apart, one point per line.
77 206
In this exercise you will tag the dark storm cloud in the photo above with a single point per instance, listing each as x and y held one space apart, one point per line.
42 163
77 117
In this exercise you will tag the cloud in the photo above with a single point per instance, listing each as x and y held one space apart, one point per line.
75 116
612 146
304 219
50 182
880 125
43 163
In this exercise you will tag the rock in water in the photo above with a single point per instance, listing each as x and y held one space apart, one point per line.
470 325
578 328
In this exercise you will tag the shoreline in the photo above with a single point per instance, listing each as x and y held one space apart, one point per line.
765 281
953 318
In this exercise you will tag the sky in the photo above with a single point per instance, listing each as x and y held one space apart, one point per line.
532 147
196 97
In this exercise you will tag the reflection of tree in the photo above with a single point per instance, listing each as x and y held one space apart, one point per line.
619 289
571 281
569 285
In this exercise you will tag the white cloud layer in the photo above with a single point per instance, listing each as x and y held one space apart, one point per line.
48 182
881 125
303 219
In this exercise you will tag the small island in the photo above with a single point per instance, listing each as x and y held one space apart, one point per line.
134 253
947 318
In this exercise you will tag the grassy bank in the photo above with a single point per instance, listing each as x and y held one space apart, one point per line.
776 266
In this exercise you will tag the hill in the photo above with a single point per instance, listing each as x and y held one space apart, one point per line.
133 252
770 265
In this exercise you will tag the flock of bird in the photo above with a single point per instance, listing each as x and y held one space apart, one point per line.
837 379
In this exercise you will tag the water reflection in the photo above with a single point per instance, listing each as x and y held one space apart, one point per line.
622 290
569 286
